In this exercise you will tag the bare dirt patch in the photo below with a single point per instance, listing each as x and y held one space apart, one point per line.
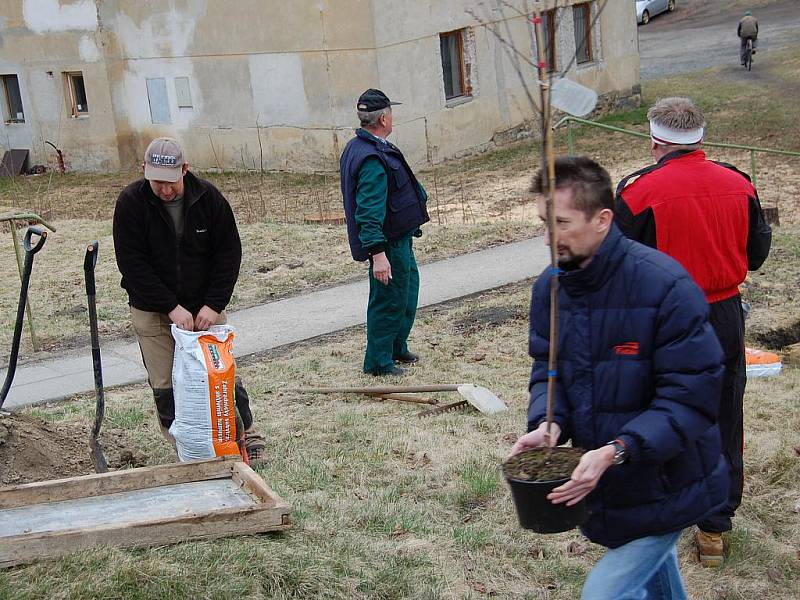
781 337
482 318
32 449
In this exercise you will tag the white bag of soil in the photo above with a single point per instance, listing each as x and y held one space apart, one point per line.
203 371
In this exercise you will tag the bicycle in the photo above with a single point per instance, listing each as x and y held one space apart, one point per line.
747 59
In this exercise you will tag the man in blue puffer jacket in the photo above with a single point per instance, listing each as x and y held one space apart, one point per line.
638 384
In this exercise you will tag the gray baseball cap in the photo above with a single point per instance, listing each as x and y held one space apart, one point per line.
163 160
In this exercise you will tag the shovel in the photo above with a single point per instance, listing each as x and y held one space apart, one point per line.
475 395
30 250
89 262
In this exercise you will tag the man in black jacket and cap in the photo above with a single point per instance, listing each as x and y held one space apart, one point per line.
179 252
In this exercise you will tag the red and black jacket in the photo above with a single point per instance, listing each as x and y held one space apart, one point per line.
704 214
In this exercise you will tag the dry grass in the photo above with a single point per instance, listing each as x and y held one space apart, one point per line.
387 505
279 260
474 203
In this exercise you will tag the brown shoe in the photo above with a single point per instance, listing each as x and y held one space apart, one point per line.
256 447
710 548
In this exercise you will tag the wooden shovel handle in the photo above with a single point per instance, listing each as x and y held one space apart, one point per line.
405 398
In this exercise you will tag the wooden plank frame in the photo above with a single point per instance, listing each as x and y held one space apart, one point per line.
269 513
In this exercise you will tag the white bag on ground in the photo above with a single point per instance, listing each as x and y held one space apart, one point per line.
203 371
761 363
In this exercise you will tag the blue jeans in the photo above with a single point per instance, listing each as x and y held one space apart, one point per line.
643 569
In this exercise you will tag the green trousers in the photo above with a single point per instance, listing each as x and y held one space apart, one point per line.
392 308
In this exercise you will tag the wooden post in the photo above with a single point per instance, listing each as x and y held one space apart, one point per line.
548 163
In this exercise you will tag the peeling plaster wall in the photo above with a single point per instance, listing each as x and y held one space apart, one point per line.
41 40
280 80
260 76
43 16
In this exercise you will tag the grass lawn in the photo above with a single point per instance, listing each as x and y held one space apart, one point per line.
388 505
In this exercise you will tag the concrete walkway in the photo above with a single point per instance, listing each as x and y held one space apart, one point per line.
283 322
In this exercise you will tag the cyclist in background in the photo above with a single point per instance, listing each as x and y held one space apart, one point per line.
747 30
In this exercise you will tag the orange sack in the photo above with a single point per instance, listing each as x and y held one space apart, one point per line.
761 363
203 372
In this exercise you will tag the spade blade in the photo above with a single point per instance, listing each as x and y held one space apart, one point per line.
482 399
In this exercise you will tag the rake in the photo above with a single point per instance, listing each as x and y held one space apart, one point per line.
482 399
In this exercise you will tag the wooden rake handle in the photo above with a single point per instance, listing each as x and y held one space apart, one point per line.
405 398
379 390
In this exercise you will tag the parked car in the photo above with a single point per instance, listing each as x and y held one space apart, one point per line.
645 9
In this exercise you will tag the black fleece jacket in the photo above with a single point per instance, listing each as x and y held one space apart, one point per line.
159 271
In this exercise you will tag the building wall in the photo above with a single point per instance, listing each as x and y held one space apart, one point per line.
40 40
275 87
506 93
274 93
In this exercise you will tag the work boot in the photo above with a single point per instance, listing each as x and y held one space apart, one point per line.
407 358
393 372
168 436
256 446
710 548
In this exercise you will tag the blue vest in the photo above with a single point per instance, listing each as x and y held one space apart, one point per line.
405 203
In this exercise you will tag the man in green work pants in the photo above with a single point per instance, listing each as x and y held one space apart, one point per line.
385 206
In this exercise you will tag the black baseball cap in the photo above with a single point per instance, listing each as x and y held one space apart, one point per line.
373 100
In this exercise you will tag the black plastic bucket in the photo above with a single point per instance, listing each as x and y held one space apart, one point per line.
537 513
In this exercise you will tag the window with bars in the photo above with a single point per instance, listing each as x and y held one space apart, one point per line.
582 21
12 106
453 61
78 104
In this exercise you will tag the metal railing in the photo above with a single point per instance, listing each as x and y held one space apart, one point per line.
568 120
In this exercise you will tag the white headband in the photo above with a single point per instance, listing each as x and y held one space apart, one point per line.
666 136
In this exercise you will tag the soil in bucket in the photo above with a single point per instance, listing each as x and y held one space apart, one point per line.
532 475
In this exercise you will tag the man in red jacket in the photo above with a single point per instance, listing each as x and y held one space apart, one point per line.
708 217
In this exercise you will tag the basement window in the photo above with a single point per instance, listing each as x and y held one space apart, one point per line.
78 104
582 20
454 65
12 105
